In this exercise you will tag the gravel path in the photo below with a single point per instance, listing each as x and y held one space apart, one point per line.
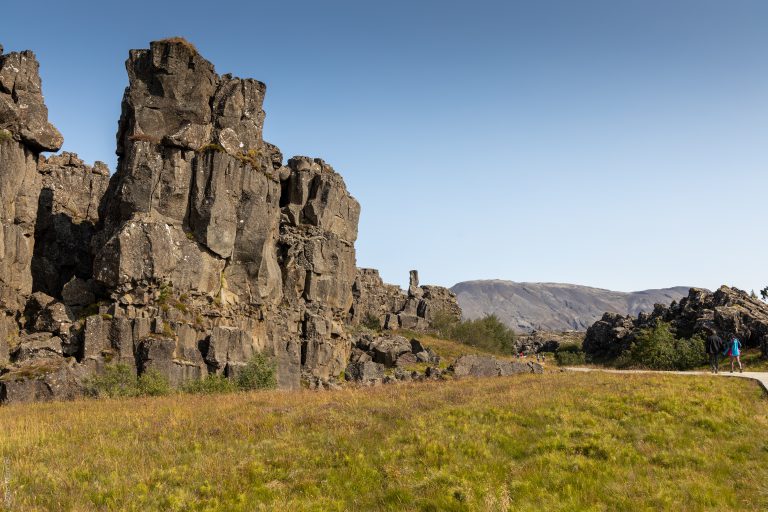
761 377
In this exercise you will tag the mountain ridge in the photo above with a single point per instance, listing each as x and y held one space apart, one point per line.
529 306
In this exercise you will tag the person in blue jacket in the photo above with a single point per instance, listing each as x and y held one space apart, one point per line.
734 350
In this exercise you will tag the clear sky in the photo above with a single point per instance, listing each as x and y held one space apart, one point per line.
615 143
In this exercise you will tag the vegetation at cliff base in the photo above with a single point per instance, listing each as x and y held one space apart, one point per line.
569 354
657 348
487 333
119 381
559 441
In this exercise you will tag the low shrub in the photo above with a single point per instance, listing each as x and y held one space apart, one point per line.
180 40
117 380
259 373
153 383
658 348
487 333
5 135
371 322
212 147
569 358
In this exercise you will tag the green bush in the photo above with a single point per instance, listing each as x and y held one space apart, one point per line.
657 348
5 135
372 322
153 383
210 385
569 354
117 380
259 373
487 333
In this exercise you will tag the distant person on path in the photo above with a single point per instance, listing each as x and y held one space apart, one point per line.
735 352
715 347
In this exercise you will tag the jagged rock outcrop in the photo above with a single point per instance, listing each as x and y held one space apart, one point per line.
24 133
202 250
727 311
202 207
67 215
393 309
544 341
373 354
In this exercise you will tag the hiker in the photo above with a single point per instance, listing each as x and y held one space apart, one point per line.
735 352
715 347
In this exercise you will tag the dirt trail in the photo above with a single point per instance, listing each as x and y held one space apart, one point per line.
761 377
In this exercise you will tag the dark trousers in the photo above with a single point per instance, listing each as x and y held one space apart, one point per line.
714 362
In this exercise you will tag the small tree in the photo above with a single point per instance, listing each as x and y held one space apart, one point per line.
764 293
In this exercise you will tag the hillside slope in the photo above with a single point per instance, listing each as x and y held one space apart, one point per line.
554 306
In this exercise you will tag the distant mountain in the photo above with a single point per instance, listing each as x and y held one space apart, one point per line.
552 306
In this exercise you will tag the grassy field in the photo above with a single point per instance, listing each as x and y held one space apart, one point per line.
561 441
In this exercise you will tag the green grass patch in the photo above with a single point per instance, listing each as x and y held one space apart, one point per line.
559 441
218 148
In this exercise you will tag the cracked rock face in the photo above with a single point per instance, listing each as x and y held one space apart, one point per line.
24 132
393 308
202 205
201 250
22 110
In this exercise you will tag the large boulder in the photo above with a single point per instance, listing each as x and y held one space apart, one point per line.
364 371
387 350
24 133
42 379
489 366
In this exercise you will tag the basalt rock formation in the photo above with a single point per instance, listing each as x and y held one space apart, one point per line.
201 250
727 311
24 133
392 308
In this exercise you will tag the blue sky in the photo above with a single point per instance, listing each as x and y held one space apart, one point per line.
612 143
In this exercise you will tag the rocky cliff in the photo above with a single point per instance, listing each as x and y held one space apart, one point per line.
201 250
727 311
526 307
24 133
392 308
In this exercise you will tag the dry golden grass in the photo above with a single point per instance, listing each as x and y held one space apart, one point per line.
561 441
448 350
180 40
